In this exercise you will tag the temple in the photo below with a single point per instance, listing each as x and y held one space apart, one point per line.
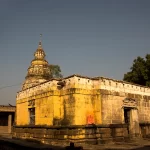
78 108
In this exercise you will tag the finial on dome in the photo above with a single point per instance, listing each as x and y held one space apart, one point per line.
40 43
40 37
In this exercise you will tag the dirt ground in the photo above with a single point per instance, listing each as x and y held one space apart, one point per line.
138 144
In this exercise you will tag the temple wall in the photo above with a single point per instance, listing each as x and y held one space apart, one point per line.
22 112
114 92
44 114
74 104
47 102
81 99
144 109
111 108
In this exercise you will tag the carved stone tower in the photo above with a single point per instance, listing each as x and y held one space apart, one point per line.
38 71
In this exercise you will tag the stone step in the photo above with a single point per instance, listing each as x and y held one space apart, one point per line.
6 135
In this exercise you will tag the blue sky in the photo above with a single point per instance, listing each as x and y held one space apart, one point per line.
87 37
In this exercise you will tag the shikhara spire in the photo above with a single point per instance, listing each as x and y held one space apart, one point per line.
39 70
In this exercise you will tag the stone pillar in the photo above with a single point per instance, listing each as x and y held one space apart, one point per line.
9 123
135 131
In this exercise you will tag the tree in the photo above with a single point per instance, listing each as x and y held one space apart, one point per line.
140 71
55 71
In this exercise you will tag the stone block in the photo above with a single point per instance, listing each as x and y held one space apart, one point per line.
106 135
49 131
131 95
38 135
116 93
90 136
98 135
104 141
90 131
118 139
125 132
60 137
119 134
105 130
104 92
48 136
119 130
81 131
62 132
116 121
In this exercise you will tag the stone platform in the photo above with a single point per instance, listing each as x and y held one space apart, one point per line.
91 134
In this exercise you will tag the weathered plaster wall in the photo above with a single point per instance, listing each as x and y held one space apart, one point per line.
144 109
82 101
22 112
44 111
111 108
114 92
77 103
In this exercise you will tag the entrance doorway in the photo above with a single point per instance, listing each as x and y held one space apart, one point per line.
131 116
127 120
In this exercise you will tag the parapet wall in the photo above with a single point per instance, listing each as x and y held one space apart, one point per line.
7 108
121 86
76 81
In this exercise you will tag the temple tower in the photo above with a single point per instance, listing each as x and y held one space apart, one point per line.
38 71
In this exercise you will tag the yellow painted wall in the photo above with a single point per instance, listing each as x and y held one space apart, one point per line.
97 104
22 112
71 105
87 103
44 111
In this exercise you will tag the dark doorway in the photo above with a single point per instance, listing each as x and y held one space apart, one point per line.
3 119
32 116
127 117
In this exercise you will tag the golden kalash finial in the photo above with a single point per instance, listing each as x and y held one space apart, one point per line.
40 43
40 37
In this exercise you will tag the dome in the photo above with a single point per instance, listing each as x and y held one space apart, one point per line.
39 54
38 71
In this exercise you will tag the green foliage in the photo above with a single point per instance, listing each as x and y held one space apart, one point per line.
55 71
140 71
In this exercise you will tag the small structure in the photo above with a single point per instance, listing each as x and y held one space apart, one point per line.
7 115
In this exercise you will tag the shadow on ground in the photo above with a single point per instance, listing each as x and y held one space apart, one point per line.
123 148
15 144
143 148
12 144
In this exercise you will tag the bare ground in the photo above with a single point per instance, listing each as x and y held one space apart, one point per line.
138 144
